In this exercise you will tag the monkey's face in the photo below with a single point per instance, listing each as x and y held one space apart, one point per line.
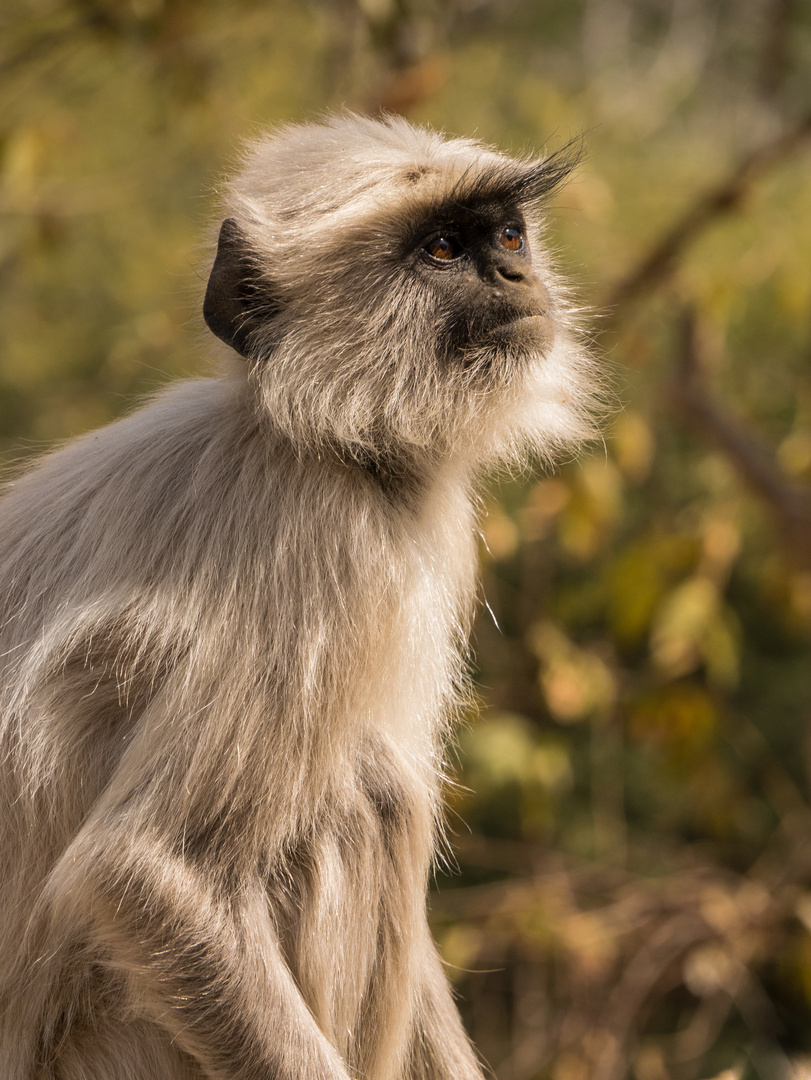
391 293
491 304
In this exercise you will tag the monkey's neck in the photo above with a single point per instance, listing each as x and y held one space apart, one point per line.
401 475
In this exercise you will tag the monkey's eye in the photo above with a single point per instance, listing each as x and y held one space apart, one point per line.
511 238
444 248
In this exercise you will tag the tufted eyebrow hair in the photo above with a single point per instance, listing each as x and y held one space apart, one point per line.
483 189
486 188
514 182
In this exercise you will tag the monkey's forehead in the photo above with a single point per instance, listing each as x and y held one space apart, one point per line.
353 165
350 143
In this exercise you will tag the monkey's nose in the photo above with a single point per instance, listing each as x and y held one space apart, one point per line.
522 287
512 272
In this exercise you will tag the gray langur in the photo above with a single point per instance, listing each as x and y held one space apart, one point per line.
233 627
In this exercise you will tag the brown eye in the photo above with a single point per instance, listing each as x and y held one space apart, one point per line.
444 248
512 239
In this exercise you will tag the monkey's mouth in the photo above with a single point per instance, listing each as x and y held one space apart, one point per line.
524 332
487 348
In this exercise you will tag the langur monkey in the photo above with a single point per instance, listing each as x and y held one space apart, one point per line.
233 629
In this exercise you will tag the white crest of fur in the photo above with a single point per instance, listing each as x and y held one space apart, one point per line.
229 655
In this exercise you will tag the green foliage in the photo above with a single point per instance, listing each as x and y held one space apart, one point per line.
635 885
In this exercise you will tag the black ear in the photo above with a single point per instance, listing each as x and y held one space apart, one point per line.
238 300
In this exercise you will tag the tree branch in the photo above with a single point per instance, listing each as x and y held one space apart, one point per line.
658 264
789 502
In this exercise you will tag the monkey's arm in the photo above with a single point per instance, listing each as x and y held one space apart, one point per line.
203 965
441 1049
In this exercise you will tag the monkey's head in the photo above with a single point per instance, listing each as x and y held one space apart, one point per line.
391 294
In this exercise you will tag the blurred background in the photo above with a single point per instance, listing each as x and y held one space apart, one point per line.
629 894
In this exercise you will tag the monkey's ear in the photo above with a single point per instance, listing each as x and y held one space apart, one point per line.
237 300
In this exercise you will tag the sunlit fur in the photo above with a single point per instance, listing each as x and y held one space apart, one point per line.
232 637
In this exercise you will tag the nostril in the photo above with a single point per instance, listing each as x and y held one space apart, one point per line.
515 269
510 273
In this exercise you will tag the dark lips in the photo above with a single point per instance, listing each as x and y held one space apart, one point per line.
527 332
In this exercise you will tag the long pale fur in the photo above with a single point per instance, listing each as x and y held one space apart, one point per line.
229 654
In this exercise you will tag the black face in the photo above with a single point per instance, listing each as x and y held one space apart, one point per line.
484 300
480 266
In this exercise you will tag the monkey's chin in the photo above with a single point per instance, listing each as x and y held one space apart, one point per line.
529 333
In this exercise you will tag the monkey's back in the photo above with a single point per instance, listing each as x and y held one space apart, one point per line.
83 636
